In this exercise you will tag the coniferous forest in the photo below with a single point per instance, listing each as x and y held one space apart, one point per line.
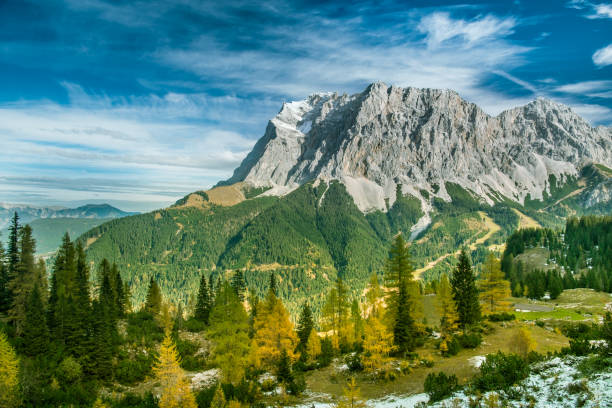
70 335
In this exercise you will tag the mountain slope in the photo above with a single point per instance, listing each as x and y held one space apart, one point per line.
334 178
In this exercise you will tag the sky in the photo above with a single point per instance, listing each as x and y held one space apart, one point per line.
137 103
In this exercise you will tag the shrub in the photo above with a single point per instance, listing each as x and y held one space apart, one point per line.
500 371
353 362
133 370
578 347
502 317
439 386
297 385
453 347
470 340
194 325
69 371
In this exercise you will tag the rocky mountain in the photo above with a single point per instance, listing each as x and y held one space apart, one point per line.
335 177
421 139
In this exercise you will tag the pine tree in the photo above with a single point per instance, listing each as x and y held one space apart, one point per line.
284 375
120 298
465 292
153 302
83 304
305 325
23 278
351 397
202 309
273 283
35 331
12 255
100 357
229 329
254 306
404 328
5 295
273 332
445 305
495 290
175 391
239 284
9 374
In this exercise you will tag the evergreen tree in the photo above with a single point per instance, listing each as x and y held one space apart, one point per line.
108 290
283 369
83 304
175 391
35 331
273 283
357 322
465 293
254 306
218 400
404 328
202 309
153 303
12 256
120 299
23 278
373 295
229 327
239 284
9 374
555 287
495 289
100 357
305 326
5 296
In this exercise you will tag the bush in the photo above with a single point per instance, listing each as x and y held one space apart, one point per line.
470 340
501 317
500 371
194 325
453 346
353 362
133 370
297 385
578 347
439 386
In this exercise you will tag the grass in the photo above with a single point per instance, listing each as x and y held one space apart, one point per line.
559 314
535 258
572 304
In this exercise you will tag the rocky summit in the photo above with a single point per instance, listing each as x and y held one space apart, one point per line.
421 139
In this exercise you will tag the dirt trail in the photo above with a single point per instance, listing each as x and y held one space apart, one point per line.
526 221
573 193
491 227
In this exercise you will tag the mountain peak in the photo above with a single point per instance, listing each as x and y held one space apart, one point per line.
422 139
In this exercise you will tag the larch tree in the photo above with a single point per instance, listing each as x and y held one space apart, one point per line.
175 391
465 292
229 333
495 290
351 397
9 374
445 305
357 322
374 296
523 342
313 346
335 313
377 345
273 332
218 400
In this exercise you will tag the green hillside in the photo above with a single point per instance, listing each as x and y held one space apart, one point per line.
311 235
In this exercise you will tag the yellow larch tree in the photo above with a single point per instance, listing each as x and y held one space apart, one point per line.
218 400
495 290
9 374
175 391
351 397
313 346
522 342
377 345
273 332
446 307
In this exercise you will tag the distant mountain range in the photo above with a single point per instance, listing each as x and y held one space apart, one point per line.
50 223
335 177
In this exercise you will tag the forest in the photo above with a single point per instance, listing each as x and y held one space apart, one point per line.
72 337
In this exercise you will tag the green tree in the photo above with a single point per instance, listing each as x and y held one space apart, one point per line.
5 294
153 303
273 283
229 332
12 255
465 292
23 278
35 331
239 284
305 326
83 304
404 328
202 309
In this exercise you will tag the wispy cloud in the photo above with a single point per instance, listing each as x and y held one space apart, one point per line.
594 89
603 56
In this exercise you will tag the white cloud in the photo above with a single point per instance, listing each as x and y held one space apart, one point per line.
603 56
599 89
602 10
440 28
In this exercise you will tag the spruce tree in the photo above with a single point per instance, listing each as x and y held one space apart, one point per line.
305 326
120 298
35 331
404 328
83 304
23 278
239 284
202 309
62 318
273 288
153 302
4 282
104 332
465 292
283 369
12 255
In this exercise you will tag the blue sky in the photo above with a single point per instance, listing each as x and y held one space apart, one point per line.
138 103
